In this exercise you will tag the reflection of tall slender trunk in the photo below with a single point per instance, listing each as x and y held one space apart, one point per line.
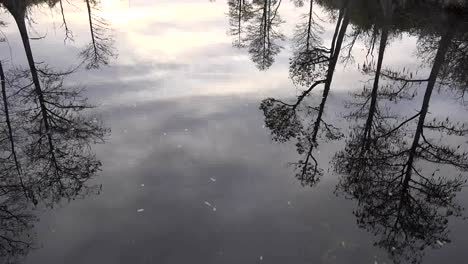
331 70
438 61
8 121
309 26
91 27
239 20
337 30
268 24
32 66
11 137
265 20
387 10
20 21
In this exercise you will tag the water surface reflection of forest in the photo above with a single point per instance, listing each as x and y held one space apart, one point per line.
400 160
403 169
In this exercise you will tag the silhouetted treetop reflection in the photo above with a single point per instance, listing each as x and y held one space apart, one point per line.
396 168
240 12
315 66
309 56
254 25
101 47
46 133
45 157
99 51
404 170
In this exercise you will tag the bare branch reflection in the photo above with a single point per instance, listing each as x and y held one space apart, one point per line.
47 129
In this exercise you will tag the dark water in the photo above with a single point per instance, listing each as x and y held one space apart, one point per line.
264 131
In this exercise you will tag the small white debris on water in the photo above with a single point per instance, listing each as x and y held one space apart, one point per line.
375 262
261 258
140 210
95 120
263 126
440 243
213 179
318 151
211 206
164 134
186 130
393 248
343 244
142 185
289 202
125 131
390 193
179 146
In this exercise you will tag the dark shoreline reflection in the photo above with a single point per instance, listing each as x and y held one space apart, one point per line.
403 171
46 133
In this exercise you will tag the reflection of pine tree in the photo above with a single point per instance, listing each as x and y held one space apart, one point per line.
100 49
41 163
453 72
240 11
262 35
386 165
309 56
47 135
56 156
285 122
45 141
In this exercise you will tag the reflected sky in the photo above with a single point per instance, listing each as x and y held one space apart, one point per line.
190 172
153 37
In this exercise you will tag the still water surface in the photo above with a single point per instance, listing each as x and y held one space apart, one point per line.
239 131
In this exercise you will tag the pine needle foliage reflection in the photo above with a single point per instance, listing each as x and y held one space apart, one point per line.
46 132
396 168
